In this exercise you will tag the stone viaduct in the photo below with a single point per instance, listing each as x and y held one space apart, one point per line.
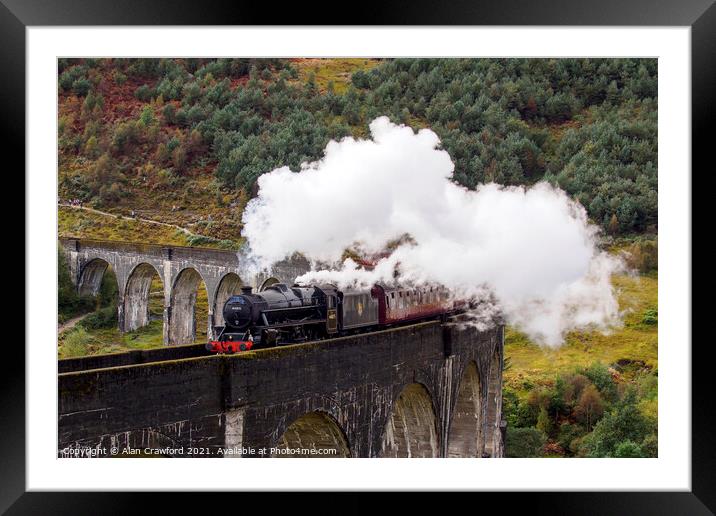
426 390
181 269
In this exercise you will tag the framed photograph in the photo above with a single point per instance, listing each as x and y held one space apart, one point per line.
431 234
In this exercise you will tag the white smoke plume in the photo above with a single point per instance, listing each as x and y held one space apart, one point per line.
532 249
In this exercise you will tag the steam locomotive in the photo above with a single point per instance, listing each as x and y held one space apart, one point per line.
281 314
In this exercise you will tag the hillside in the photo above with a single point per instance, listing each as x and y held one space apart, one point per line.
85 222
182 141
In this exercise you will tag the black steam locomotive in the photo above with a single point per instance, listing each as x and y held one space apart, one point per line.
281 314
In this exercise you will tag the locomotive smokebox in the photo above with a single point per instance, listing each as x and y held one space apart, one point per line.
239 312
246 290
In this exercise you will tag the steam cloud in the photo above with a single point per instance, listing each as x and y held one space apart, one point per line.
529 254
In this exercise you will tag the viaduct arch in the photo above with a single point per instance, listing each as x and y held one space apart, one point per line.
412 429
315 432
135 302
90 277
180 269
465 433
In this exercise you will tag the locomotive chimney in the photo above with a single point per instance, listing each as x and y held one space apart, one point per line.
246 290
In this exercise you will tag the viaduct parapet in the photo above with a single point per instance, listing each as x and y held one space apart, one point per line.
427 390
181 269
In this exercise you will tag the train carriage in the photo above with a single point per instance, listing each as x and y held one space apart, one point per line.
359 308
399 305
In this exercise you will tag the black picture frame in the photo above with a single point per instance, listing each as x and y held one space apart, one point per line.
700 15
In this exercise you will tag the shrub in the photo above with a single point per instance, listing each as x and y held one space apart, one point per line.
165 178
181 118
111 193
103 318
191 92
173 143
544 422
523 442
92 147
169 112
147 116
170 89
70 75
194 140
125 135
64 124
561 107
600 376
516 413
624 423
228 244
179 158
650 446
92 106
199 240
162 155
102 173
643 256
569 435
81 87
76 342
650 317
143 93
628 449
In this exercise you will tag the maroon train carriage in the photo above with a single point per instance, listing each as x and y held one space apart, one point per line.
283 315
400 305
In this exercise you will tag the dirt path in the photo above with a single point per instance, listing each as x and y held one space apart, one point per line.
68 325
124 217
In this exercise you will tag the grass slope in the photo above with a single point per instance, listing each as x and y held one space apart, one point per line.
78 223
530 365
338 71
